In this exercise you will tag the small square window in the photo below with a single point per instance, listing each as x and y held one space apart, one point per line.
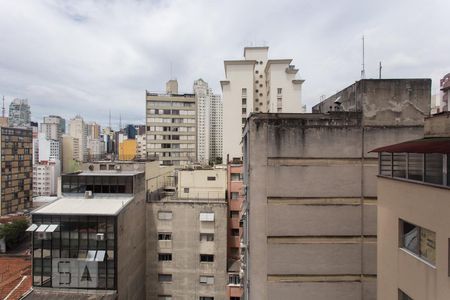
165 277
186 190
206 258
207 279
211 178
234 232
165 256
207 237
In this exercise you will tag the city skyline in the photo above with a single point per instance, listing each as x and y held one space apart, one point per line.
96 67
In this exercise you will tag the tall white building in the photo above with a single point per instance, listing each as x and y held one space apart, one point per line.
53 127
209 122
216 128
19 113
78 130
203 98
48 149
141 147
256 84
96 149
45 178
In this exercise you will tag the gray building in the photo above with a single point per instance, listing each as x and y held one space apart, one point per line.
19 113
310 210
187 239
171 133
90 243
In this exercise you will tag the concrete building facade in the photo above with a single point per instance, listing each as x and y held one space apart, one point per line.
171 127
141 147
413 208
256 84
19 114
45 178
203 99
186 240
16 170
78 130
216 129
311 202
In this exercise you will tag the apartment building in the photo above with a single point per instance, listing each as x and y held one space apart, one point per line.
78 130
141 147
256 84
16 170
413 209
48 149
45 178
53 127
445 90
171 126
216 129
90 243
311 202
19 114
235 192
127 149
96 149
186 237
71 150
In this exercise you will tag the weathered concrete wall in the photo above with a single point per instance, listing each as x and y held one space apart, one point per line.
186 248
437 125
131 246
384 102
311 198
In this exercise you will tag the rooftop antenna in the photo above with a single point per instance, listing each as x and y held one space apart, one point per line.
363 71
379 71
109 118
120 122
171 73
3 108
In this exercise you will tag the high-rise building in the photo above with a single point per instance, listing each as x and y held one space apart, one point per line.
256 84
310 207
202 96
128 149
96 149
93 130
445 89
186 238
413 225
171 126
141 147
71 149
16 169
48 149
209 123
78 130
19 113
53 127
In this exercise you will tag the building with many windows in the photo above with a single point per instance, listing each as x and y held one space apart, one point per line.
19 113
45 177
171 134
186 237
91 241
16 170
413 209
256 84
78 131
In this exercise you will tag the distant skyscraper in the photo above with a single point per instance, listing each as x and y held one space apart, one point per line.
53 127
445 88
256 84
19 113
93 130
209 123
78 130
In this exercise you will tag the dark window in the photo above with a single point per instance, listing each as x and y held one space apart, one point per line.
434 168
234 279
205 298
234 195
102 167
211 178
165 256
164 277
207 237
165 236
186 190
415 166
234 232
418 240
206 258
236 177
234 214
403 296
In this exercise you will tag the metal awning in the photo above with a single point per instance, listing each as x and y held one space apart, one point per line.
32 227
100 255
42 228
426 145
51 228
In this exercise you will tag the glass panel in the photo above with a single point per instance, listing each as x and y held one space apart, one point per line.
415 166
399 165
410 237
428 245
386 164
434 169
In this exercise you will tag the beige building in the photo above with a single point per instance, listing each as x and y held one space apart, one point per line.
16 170
413 216
186 237
202 183
78 130
70 150
171 126
311 202
256 84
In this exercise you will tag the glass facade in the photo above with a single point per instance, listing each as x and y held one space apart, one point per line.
97 184
75 251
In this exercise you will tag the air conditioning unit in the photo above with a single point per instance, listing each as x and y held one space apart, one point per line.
87 194
44 235
100 236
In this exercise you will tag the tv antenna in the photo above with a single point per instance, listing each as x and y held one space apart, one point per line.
363 71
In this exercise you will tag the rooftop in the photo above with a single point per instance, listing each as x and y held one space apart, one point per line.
110 173
425 145
109 205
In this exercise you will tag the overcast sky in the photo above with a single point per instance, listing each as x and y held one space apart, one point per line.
86 57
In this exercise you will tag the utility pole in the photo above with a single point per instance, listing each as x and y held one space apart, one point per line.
363 71
379 71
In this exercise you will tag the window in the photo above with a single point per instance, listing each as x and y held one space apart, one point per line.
244 92
415 166
206 237
234 279
165 277
164 236
207 279
244 110
236 177
434 170
244 101
418 240
234 232
234 214
206 258
186 190
207 217
234 195
164 215
165 256
279 90
102 167
403 296
205 298
235 298
211 178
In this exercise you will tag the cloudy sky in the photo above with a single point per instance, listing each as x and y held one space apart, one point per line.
86 57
